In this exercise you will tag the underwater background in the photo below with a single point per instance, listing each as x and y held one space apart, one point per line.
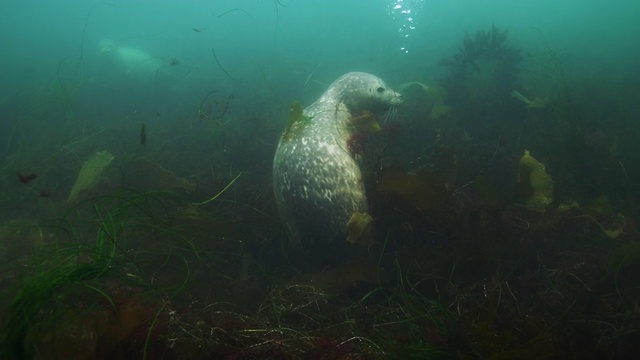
137 218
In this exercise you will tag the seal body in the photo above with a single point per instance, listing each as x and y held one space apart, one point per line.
317 181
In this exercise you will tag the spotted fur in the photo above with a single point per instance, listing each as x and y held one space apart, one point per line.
317 182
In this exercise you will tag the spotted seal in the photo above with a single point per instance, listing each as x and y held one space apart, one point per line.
317 181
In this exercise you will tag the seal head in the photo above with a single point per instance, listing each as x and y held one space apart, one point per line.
317 181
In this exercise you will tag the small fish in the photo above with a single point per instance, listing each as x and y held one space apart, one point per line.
25 179
143 136
198 29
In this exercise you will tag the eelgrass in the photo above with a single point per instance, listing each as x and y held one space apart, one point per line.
74 272
57 273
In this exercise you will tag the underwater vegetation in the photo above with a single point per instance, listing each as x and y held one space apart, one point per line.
77 298
505 227
482 75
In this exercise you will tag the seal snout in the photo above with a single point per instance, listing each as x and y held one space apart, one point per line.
394 98
389 96
397 99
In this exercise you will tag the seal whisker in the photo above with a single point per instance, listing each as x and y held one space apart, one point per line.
385 116
390 114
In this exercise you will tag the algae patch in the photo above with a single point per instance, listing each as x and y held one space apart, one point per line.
90 173
535 183
296 121
365 122
356 226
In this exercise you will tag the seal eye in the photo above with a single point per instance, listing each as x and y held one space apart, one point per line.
380 89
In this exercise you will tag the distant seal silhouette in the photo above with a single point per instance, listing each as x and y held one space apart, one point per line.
317 181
